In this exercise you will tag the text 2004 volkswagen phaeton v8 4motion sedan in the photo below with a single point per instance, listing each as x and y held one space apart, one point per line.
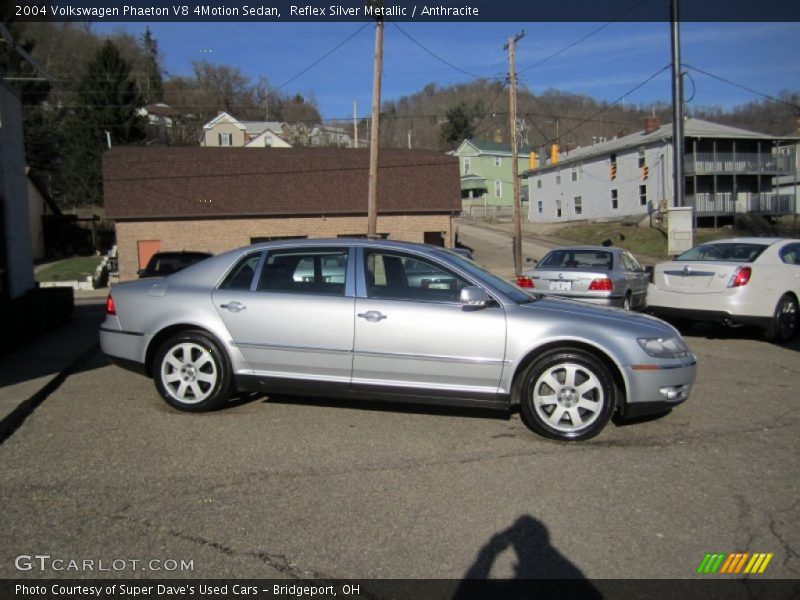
391 321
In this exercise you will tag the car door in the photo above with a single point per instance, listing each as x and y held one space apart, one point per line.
637 278
411 332
294 318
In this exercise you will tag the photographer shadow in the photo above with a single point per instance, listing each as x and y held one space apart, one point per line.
540 568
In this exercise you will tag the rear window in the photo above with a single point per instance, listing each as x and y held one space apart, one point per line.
577 259
730 251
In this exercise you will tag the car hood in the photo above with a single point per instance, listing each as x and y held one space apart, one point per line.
614 317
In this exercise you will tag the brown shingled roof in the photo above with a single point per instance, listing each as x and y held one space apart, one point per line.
147 183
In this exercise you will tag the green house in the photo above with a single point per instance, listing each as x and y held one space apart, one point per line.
487 186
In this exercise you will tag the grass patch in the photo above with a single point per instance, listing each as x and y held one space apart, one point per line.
70 269
643 241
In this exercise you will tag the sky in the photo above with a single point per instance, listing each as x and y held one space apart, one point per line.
611 60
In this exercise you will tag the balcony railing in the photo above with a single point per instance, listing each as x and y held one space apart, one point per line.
728 163
726 204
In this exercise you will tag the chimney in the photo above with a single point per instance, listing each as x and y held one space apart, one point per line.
651 124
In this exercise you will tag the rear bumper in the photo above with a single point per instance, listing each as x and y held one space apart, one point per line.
707 316
123 348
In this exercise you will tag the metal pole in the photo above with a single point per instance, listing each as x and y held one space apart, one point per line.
677 110
512 98
372 199
355 125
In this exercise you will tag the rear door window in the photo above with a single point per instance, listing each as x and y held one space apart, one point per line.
307 271
241 276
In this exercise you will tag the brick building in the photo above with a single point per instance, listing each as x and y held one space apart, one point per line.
217 199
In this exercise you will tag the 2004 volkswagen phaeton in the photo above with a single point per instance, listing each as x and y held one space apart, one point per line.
391 321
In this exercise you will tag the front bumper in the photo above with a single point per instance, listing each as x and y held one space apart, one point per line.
654 389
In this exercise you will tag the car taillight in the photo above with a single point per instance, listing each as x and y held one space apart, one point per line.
740 277
601 285
110 308
524 281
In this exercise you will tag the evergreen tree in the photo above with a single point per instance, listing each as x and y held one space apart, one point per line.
154 87
458 125
107 103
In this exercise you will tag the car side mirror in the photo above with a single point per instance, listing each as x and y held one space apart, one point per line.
649 269
140 272
474 297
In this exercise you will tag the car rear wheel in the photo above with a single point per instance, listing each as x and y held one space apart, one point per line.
191 372
567 395
784 321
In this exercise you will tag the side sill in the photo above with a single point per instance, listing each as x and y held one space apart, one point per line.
297 387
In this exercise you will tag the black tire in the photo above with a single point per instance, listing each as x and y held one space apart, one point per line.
627 303
192 373
784 324
587 371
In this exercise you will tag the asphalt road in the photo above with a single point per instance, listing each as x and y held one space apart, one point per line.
280 487
299 487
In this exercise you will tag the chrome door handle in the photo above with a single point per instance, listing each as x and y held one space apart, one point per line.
373 316
234 306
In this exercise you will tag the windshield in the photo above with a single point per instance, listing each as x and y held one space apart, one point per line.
726 251
501 285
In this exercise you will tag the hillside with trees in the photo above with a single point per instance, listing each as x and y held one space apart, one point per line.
97 83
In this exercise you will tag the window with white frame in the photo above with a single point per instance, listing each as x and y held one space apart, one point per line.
558 179
498 188
225 139
558 208
498 161
466 166
642 158
540 206
539 183
643 195
578 205
575 174
614 200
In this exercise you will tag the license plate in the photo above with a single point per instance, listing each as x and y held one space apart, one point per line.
560 286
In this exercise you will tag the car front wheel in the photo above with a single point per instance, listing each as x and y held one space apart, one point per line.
567 395
191 373
784 321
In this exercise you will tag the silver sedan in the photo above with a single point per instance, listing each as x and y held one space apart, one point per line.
407 322
596 274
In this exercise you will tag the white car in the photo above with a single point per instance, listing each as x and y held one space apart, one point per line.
740 281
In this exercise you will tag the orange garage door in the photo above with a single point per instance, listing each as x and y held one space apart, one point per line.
146 250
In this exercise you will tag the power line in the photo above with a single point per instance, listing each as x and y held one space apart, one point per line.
442 60
618 100
584 38
743 87
321 58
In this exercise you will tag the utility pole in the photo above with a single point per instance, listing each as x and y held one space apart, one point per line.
355 124
512 99
372 198
677 110
266 104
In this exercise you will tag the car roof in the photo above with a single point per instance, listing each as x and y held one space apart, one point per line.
589 248
182 253
748 240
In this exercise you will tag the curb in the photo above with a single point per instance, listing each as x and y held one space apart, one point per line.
16 418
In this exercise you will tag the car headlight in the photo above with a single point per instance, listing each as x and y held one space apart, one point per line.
673 347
